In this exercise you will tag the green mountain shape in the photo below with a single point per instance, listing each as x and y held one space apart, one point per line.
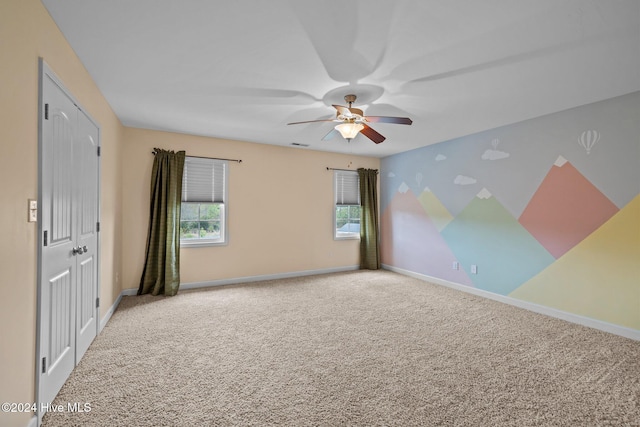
600 277
435 210
485 234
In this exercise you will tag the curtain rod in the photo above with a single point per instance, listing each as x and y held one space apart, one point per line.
211 158
346 170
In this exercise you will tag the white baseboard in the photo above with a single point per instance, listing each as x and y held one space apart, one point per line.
247 279
110 312
541 309
232 281
114 306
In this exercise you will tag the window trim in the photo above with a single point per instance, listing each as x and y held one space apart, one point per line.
224 228
222 241
344 236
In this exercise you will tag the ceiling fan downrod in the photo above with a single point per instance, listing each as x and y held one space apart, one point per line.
350 99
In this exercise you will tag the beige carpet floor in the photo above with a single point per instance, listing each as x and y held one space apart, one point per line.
352 349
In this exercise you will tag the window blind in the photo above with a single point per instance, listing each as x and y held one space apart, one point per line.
203 180
347 189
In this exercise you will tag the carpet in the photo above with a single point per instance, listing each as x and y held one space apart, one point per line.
362 348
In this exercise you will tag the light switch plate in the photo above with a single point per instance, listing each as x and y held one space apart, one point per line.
33 210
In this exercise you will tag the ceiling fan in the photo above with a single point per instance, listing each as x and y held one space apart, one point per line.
353 121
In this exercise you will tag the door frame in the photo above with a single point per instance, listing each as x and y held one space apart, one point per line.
45 71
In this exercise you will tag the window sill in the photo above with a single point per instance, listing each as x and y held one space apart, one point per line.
347 237
201 243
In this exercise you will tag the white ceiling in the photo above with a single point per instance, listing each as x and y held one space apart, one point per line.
243 69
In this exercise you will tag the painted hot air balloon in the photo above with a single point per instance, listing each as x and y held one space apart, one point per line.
588 139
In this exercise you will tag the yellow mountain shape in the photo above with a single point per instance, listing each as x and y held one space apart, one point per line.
436 211
600 277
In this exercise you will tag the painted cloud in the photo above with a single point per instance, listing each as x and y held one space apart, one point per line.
464 180
494 155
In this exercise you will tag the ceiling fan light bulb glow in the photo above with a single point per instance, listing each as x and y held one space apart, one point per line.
349 130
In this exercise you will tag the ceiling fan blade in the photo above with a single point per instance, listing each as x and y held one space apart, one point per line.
348 112
342 110
372 134
386 119
356 111
313 121
333 132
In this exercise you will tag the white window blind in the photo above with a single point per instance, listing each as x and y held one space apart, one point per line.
347 189
203 180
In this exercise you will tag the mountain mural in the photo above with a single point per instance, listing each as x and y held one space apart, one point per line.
559 231
595 278
435 210
565 209
411 241
485 234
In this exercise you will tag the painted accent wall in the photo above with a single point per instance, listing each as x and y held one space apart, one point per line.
548 210
27 32
280 209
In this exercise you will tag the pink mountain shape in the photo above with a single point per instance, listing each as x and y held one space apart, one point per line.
410 240
565 209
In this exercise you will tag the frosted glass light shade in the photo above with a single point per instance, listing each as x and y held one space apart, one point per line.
349 130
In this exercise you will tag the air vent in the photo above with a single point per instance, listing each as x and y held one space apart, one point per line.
297 144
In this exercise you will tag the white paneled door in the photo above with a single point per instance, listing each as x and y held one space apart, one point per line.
68 243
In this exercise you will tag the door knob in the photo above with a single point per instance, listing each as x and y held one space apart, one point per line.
79 250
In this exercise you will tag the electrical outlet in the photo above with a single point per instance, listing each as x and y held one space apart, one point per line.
455 265
474 269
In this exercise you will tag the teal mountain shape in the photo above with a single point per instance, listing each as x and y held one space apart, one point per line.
485 234
410 240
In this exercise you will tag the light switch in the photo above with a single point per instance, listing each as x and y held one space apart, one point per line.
33 210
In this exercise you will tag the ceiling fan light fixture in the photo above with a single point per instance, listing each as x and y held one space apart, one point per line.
352 121
349 130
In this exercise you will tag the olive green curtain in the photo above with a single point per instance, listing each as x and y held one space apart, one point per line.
161 274
369 231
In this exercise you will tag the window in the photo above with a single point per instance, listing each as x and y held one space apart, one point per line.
204 193
347 205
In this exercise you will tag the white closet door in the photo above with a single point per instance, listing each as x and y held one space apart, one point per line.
86 196
69 256
58 259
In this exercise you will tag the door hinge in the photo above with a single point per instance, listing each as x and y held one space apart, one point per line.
46 111
98 226
46 233
44 365
98 151
97 302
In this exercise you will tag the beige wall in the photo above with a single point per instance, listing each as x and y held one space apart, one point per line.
271 231
26 33
280 208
